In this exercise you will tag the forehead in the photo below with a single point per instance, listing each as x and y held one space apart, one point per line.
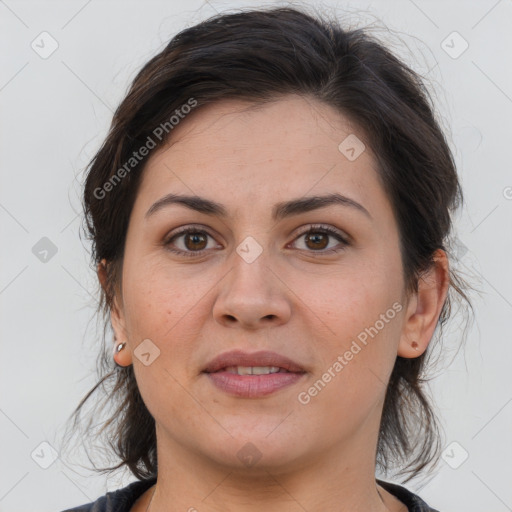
289 147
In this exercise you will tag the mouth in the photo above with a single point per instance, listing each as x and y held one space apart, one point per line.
253 370
252 375
252 363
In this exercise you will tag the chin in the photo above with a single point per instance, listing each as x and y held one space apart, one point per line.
259 451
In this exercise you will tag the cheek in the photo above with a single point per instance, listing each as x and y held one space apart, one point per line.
349 303
356 363
170 309
157 299
363 313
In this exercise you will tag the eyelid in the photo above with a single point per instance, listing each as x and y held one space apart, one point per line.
194 228
343 238
313 227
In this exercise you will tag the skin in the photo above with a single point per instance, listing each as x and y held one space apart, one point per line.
315 457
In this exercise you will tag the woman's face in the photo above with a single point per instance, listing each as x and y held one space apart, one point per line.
251 279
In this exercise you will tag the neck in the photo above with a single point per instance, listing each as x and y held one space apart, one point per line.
193 483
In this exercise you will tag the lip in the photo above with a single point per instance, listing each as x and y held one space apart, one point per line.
261 358
252 386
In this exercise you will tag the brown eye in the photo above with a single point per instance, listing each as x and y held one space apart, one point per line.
318 240
189 242
195 241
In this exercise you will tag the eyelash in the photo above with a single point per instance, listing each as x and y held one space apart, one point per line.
316 228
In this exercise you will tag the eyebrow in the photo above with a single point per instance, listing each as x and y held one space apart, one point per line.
279 211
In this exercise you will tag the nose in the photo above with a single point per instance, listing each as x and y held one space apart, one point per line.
252 296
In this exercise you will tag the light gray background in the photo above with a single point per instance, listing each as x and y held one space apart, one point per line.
54 115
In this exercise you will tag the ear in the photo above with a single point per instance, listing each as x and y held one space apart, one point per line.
425 307
117 320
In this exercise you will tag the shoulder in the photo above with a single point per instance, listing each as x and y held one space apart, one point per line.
116 501
413 502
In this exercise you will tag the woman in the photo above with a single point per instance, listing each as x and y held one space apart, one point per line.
269 216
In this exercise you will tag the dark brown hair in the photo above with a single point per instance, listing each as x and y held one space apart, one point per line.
260 55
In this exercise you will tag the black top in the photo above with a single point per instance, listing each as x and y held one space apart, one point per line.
123 499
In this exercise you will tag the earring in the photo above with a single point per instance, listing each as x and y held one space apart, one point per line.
414 345
118 349
120 346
